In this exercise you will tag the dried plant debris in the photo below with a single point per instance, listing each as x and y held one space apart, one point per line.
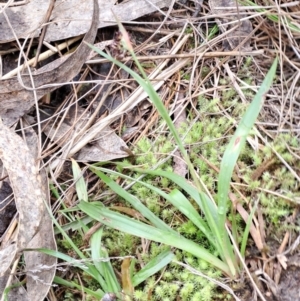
17 97
25 182
35 230
69 18
179 165
40 268
22 20
17 292
105 146
109 297
7 206
239 31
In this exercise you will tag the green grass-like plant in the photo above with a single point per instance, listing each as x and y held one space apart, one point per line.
94 261
213 226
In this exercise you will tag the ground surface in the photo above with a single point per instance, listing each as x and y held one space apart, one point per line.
206 70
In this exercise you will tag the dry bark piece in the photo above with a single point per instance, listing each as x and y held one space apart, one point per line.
15 100
7 255
243 27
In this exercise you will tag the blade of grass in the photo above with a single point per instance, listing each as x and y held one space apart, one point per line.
75 225
103 266
71 284
152 267
148 88
180 181
83 264
181 203
237 142
80 184
137 228
92 271
247 230
176 198
231 154
137 204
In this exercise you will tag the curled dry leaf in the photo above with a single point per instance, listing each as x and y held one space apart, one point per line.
17 98
35 226
25 182
40 267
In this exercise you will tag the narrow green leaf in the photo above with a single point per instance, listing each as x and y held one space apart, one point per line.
80 184
82 264
135 203
212 231
71 284
237 142
184 206
180 181
152 267
74 225
137 228
247 230
148 88
230 157
103 266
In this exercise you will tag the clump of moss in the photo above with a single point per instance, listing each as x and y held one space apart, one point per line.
177 281
119 243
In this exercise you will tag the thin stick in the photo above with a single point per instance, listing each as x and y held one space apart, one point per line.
183 55
11 276
46 20
42 57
